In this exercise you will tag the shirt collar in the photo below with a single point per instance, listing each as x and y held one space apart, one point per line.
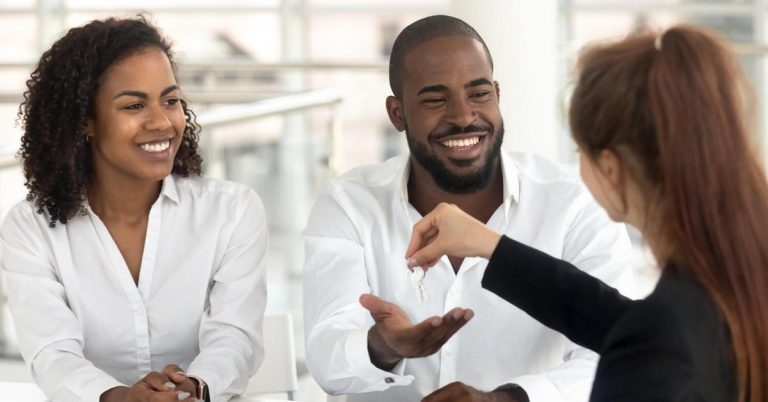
509 176
169 189
510 182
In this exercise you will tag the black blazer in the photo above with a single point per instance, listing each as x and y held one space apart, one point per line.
671 346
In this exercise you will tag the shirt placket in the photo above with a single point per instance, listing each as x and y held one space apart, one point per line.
137 295
448 361
143 349
140 319
142 292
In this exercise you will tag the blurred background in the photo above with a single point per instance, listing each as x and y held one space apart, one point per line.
291 92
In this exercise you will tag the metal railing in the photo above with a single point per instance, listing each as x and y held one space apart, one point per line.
232 114
270 107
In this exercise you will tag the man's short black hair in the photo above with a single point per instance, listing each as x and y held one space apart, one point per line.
424 30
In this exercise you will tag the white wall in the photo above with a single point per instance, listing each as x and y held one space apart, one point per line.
522 37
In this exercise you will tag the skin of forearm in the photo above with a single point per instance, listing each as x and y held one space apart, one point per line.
511 395
487 243
382 356
116 394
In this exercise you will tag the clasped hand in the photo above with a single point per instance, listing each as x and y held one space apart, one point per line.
171 385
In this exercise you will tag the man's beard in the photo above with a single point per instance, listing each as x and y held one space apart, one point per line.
445 178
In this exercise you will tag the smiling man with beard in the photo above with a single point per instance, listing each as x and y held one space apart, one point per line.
377 331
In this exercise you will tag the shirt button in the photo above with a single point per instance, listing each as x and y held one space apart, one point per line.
389 380
453 292
449 353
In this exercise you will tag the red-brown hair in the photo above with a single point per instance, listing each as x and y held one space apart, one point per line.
674 109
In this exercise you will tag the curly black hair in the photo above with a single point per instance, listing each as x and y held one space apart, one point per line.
59 101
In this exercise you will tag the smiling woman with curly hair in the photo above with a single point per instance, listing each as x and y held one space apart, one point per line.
149 276
59 102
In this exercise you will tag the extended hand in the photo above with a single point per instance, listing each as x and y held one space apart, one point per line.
448 230
460 392
394 337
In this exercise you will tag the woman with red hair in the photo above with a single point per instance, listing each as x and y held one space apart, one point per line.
661 126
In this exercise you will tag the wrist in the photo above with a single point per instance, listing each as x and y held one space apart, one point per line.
510 393
380 353
116 394
490 240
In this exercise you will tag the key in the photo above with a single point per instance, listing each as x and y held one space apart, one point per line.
417 281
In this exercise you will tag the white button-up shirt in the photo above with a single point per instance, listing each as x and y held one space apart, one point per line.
355 243
84 326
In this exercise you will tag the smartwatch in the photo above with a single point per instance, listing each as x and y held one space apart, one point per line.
202 388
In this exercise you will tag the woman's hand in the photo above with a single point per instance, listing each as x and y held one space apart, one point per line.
172 385
448 230
177 376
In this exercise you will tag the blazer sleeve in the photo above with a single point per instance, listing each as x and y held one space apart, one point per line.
554 292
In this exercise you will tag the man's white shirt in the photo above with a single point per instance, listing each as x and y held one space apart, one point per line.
84 326
355 242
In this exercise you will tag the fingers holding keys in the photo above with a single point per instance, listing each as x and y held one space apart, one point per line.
423 250
448 230
423 233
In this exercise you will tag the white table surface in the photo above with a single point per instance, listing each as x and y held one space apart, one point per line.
28 392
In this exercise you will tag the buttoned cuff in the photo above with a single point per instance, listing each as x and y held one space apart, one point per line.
539 388
92 390
356 351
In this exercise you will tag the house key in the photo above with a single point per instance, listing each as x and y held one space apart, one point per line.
417 281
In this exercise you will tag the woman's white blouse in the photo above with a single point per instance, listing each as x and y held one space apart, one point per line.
84 326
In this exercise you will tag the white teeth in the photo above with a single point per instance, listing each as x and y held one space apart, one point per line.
156 147
462 143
